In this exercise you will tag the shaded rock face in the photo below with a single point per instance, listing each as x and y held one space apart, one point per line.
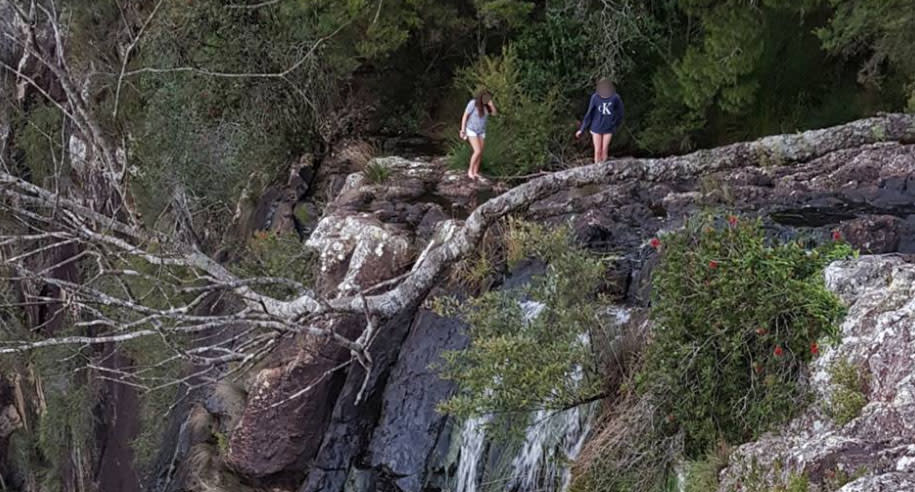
288 407
301 413
876 450
402 446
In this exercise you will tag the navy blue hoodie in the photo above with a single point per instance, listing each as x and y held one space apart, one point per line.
604 114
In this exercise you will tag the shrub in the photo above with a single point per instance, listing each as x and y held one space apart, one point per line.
849 394
797 482
528 347
736 319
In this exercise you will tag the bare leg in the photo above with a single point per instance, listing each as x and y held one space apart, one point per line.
597 141
476 168
477 144
605 146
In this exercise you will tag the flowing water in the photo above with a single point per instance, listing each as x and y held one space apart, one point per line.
473 441
551 443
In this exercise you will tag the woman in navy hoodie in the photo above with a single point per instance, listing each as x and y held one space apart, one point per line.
605 113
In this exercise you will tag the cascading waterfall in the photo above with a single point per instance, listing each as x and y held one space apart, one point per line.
552 441
473 440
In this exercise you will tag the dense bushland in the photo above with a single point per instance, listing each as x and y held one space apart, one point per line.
215 96
736 316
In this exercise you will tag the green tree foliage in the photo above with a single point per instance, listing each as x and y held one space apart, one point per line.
40 142
218 95
881 31
740 70
693 73
510 13
529 346
730 370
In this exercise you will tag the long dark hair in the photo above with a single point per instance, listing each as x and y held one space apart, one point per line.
481 101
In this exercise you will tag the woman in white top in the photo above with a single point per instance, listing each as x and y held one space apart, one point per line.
473 128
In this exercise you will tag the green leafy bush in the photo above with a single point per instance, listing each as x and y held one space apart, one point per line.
737 317
498 156
528 346
556 53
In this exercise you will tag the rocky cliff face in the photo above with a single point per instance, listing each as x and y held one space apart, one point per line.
308 424
308 418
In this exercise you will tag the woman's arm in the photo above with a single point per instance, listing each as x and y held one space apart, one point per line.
586 120
492 107
464 124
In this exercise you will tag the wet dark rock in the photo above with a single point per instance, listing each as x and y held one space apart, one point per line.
353 419
283 426
426 227
410 426
875 234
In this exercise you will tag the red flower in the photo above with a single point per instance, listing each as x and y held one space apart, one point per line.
732 220
814 348
713 264
836 235
655 243
778 351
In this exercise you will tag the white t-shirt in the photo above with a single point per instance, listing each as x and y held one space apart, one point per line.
475 122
